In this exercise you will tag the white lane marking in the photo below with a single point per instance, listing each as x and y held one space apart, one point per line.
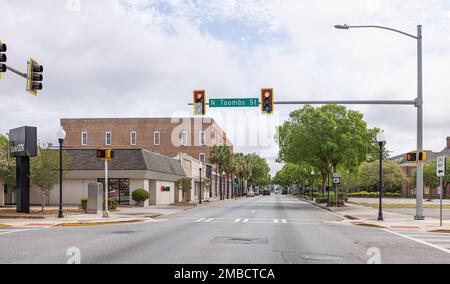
246 220
200 220
237 220
18 231
276 221
284 221
418 241
209 220
253 212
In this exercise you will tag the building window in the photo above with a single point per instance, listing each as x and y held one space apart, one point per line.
108 139
202 138
157 138
202 157
133 138
84 137
184 138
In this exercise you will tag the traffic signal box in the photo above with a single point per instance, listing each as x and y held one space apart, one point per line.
267 101
412 157
105 154
3 58
200 102
35 77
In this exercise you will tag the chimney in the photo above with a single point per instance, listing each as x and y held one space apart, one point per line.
448 142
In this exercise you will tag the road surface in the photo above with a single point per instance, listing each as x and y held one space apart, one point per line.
261 230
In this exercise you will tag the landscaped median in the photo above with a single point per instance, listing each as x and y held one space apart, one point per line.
101 223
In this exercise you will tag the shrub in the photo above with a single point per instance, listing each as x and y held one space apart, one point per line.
112 204
84 202
140 196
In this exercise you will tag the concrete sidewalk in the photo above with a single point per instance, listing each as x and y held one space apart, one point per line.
361 215
121 215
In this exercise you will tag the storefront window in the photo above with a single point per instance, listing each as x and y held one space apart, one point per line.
119 189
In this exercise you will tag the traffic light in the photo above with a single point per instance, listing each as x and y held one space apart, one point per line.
34 77
199 102
267 101
105 154
412 157
3 58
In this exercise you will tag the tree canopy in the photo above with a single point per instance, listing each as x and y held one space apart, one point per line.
325 138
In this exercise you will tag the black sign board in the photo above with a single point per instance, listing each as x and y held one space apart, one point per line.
23 142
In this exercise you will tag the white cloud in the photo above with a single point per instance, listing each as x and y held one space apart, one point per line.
144 57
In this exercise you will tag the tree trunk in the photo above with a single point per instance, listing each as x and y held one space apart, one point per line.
221 185
228 186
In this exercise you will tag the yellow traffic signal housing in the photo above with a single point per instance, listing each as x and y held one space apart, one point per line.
105 154
200 102
35 77
414 157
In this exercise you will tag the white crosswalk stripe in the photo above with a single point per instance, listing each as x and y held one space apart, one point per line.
276 221
237 220
200 220
437 240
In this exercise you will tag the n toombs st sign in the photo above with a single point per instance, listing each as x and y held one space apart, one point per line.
23 145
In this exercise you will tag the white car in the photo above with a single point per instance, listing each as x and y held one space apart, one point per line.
250 194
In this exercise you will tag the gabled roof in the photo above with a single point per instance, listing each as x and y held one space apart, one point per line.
126 160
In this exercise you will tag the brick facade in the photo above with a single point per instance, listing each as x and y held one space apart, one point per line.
170 130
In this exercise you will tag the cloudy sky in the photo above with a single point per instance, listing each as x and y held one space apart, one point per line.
143 58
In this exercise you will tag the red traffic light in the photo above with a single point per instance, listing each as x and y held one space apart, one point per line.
199 102
101 154
267 101
411 157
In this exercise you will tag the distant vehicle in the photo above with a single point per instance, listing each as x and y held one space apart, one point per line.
250 194
266 193
257 193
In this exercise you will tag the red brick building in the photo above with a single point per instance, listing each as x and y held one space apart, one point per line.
166 136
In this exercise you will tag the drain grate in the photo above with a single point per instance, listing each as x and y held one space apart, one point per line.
240 241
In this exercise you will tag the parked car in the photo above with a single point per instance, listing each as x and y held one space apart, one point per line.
257 193
266 193
250 194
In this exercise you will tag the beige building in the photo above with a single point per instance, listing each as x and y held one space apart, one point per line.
166 136
131 169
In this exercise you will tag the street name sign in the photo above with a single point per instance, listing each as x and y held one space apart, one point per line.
218 103
441 166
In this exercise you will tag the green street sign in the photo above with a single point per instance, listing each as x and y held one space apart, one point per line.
234 103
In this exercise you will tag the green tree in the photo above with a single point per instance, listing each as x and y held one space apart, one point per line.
430 178
393 176
260 170
221 156
45 171
325 138
7 164
184 184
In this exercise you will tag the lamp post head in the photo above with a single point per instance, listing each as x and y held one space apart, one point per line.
342 27
381 138
61 134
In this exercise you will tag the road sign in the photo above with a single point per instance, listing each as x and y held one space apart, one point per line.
234 103
336 179
441 166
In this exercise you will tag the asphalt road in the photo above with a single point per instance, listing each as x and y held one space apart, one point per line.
261 230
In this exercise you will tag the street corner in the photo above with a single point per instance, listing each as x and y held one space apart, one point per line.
106 222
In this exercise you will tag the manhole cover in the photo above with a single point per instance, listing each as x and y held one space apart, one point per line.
325 258
240 241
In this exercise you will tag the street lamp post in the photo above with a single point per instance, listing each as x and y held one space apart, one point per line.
418 104
61 136
200 193
381 139
312 184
